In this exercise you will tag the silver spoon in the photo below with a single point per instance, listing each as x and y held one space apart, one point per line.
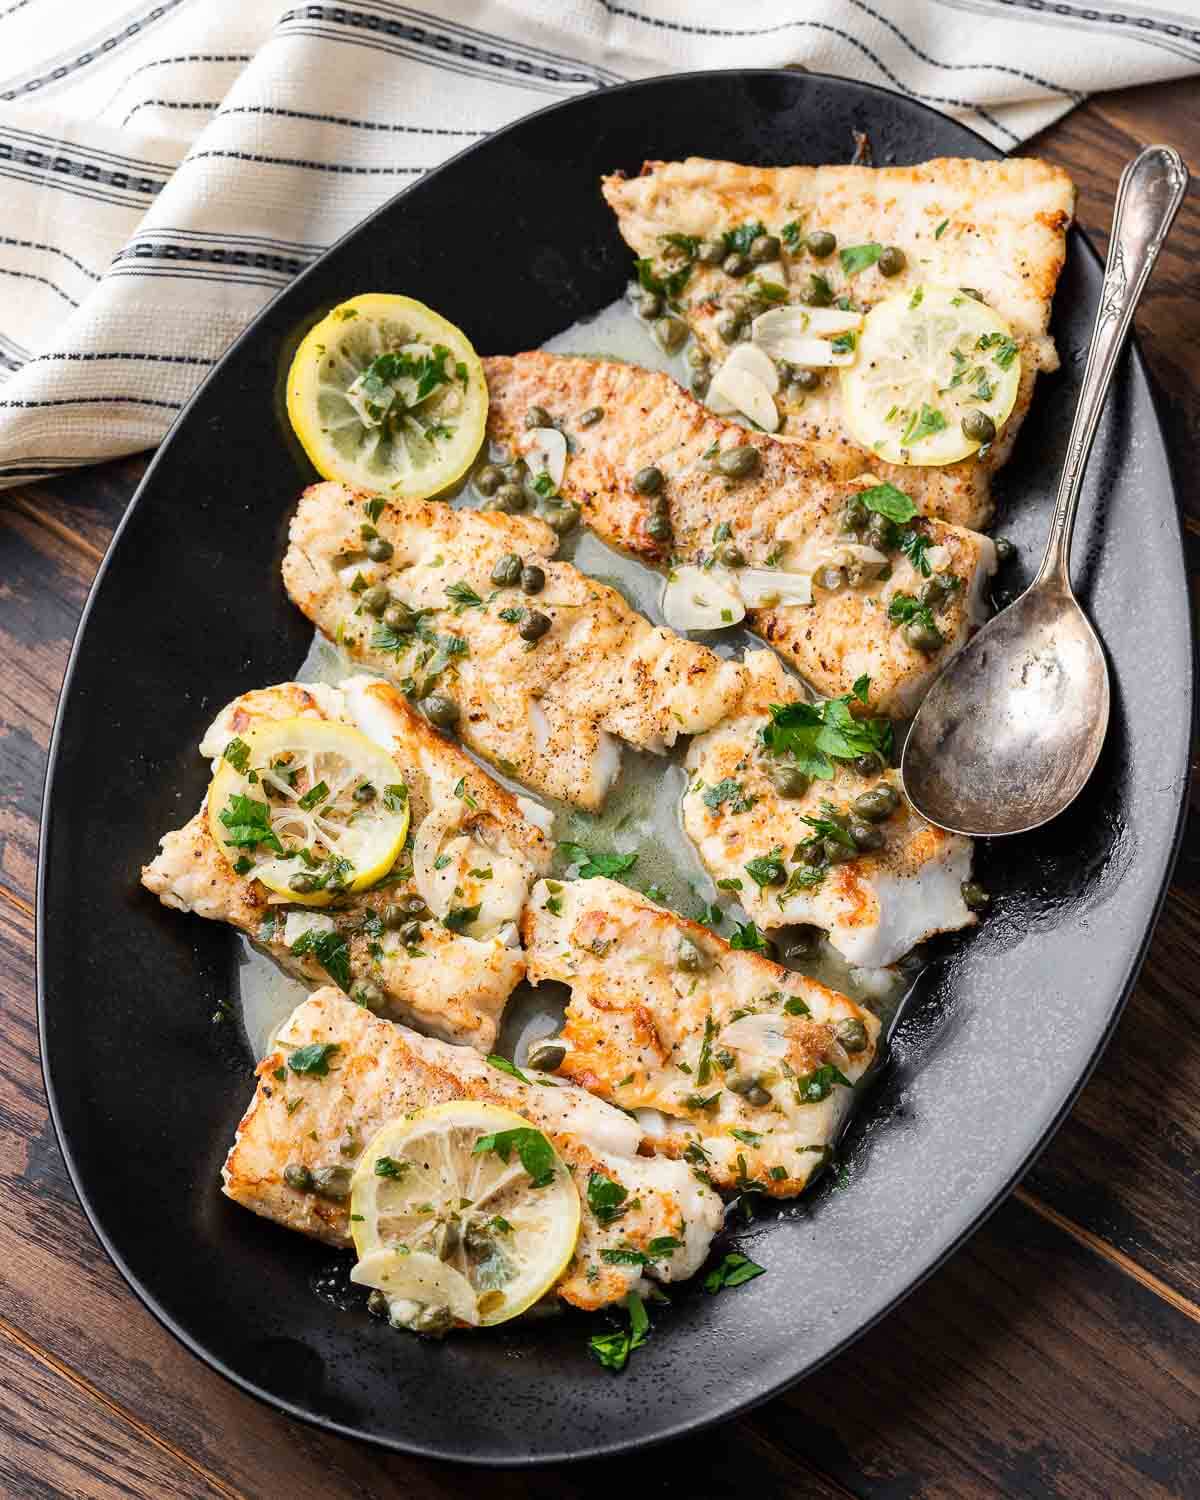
1012 729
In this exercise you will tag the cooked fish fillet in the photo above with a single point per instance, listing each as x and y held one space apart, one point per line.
381 1071
454 984
788 512
998 227
875 906
551 714
685 1043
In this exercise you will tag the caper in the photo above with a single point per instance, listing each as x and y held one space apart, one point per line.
365 792
836 853
771 871
740 1085
443 712
537 416
562 517
658 528
788 781
881 533
649 305
923 636
829 578
378 1304
764 248
855 515
332 1182
648 481
691 958
433 1321
534 626
533 579
413 906
547 1055
804 940
852 1034
892 260
669 334
739 462
398 617
978 426
821 243
869 763
590 417
375 599
818 293
729 326
865 835
517 471
393 916
732 557
710 252
758 1096
1005 552
410 934
863 571
811 854
807 380
336 882
735 264
510 497
936 590
697 358
302 883
973 292
367 994
699 383
974 896
297 1176
876 804
488 479
379 549
507 571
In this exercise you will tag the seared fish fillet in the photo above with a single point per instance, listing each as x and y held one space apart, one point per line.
454 984
875 906
552 713
788 512
749 1067
381 1071
998 227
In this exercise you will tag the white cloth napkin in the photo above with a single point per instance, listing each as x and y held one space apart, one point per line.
169 165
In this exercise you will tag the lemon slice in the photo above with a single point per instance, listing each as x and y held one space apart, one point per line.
330 805
926 359
425 1185
387 396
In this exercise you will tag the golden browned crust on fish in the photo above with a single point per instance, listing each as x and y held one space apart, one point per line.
784 515
545 713
381 1072
648 1032
998 227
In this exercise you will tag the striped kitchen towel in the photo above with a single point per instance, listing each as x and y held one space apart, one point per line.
170 164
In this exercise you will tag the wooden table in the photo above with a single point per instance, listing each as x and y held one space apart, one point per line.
1057 1354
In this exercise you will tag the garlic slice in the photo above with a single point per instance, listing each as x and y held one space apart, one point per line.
546 453
800 334
762 1034
750 358
763 588
746 393
697 600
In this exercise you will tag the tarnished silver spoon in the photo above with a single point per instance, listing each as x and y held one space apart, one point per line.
1010 732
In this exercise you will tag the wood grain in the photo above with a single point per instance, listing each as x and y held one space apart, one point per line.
1057 1354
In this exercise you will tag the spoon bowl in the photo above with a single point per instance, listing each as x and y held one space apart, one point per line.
1010 732
1012 729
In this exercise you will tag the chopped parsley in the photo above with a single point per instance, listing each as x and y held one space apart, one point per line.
855 258
591 865
629 1255
462 793
459 918
903 609
535 1151
388 1166
248 824
941 229
811 1088
504 1066
330 950
729 791
765 869
817 734
886 500
794 1006
845 343
374 508
915 545
734 1270
395 796
791 234
923 424
738 240
464 596
668 286
605 1198
237 753
314 796
1006 349
747 938
686 244
613 1349
704 1064
313 1060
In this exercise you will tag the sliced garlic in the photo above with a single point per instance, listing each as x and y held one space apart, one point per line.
546 453
763 1034
771 274
938 557
297 923
746 393
750 358
763 588
801 334
697 600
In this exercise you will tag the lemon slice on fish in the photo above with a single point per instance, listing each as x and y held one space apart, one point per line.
935 377
387 396
311 808
474 1188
